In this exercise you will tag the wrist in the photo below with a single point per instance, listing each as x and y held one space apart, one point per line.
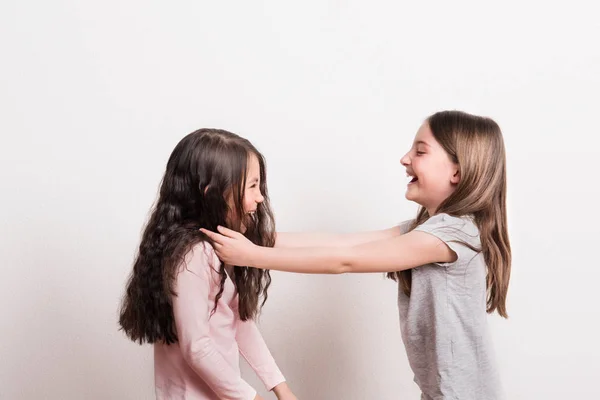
282 390
256 257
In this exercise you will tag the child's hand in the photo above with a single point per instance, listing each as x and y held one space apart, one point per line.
232 247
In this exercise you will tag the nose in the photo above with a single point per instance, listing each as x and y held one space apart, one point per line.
260 198
405 160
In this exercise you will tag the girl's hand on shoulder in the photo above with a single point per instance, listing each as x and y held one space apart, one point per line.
232 247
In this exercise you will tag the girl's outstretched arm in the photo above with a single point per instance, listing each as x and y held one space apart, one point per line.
318 239
387 255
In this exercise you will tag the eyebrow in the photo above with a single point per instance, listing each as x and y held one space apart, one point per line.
422 142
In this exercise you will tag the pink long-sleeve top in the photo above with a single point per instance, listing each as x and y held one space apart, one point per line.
204 363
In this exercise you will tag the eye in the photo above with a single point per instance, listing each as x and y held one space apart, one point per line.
420 153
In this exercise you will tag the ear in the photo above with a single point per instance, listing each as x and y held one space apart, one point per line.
455 178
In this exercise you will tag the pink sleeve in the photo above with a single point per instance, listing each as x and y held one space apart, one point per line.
254 349
191 310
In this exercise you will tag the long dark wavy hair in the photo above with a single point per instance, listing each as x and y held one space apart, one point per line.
475 143
206 168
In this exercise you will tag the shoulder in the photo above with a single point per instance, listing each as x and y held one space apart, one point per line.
201 260
452 228
463 222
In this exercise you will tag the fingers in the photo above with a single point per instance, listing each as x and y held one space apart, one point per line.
224 233
218 241
227 232
215 237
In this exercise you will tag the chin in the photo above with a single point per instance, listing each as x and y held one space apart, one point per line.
414 199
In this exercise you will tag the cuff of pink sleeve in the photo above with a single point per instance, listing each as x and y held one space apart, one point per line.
272 380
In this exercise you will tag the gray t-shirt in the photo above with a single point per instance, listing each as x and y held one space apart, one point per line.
444 321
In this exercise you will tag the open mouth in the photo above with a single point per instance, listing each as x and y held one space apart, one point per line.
411 178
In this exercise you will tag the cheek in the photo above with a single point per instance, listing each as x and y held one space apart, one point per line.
247 204
439 170
426 170
432 175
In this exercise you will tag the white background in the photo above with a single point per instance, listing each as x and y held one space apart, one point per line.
95 95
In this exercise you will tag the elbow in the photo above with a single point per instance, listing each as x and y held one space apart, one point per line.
337 270
343 263
196 350
346 267
342 269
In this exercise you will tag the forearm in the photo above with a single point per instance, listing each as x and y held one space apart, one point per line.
305 260
322 239
254 349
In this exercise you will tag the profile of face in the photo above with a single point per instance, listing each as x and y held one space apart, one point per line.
252 195
432 174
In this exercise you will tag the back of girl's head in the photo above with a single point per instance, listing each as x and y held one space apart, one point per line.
475 143
203 186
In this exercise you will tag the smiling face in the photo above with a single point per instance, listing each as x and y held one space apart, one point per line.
252 195
433 176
